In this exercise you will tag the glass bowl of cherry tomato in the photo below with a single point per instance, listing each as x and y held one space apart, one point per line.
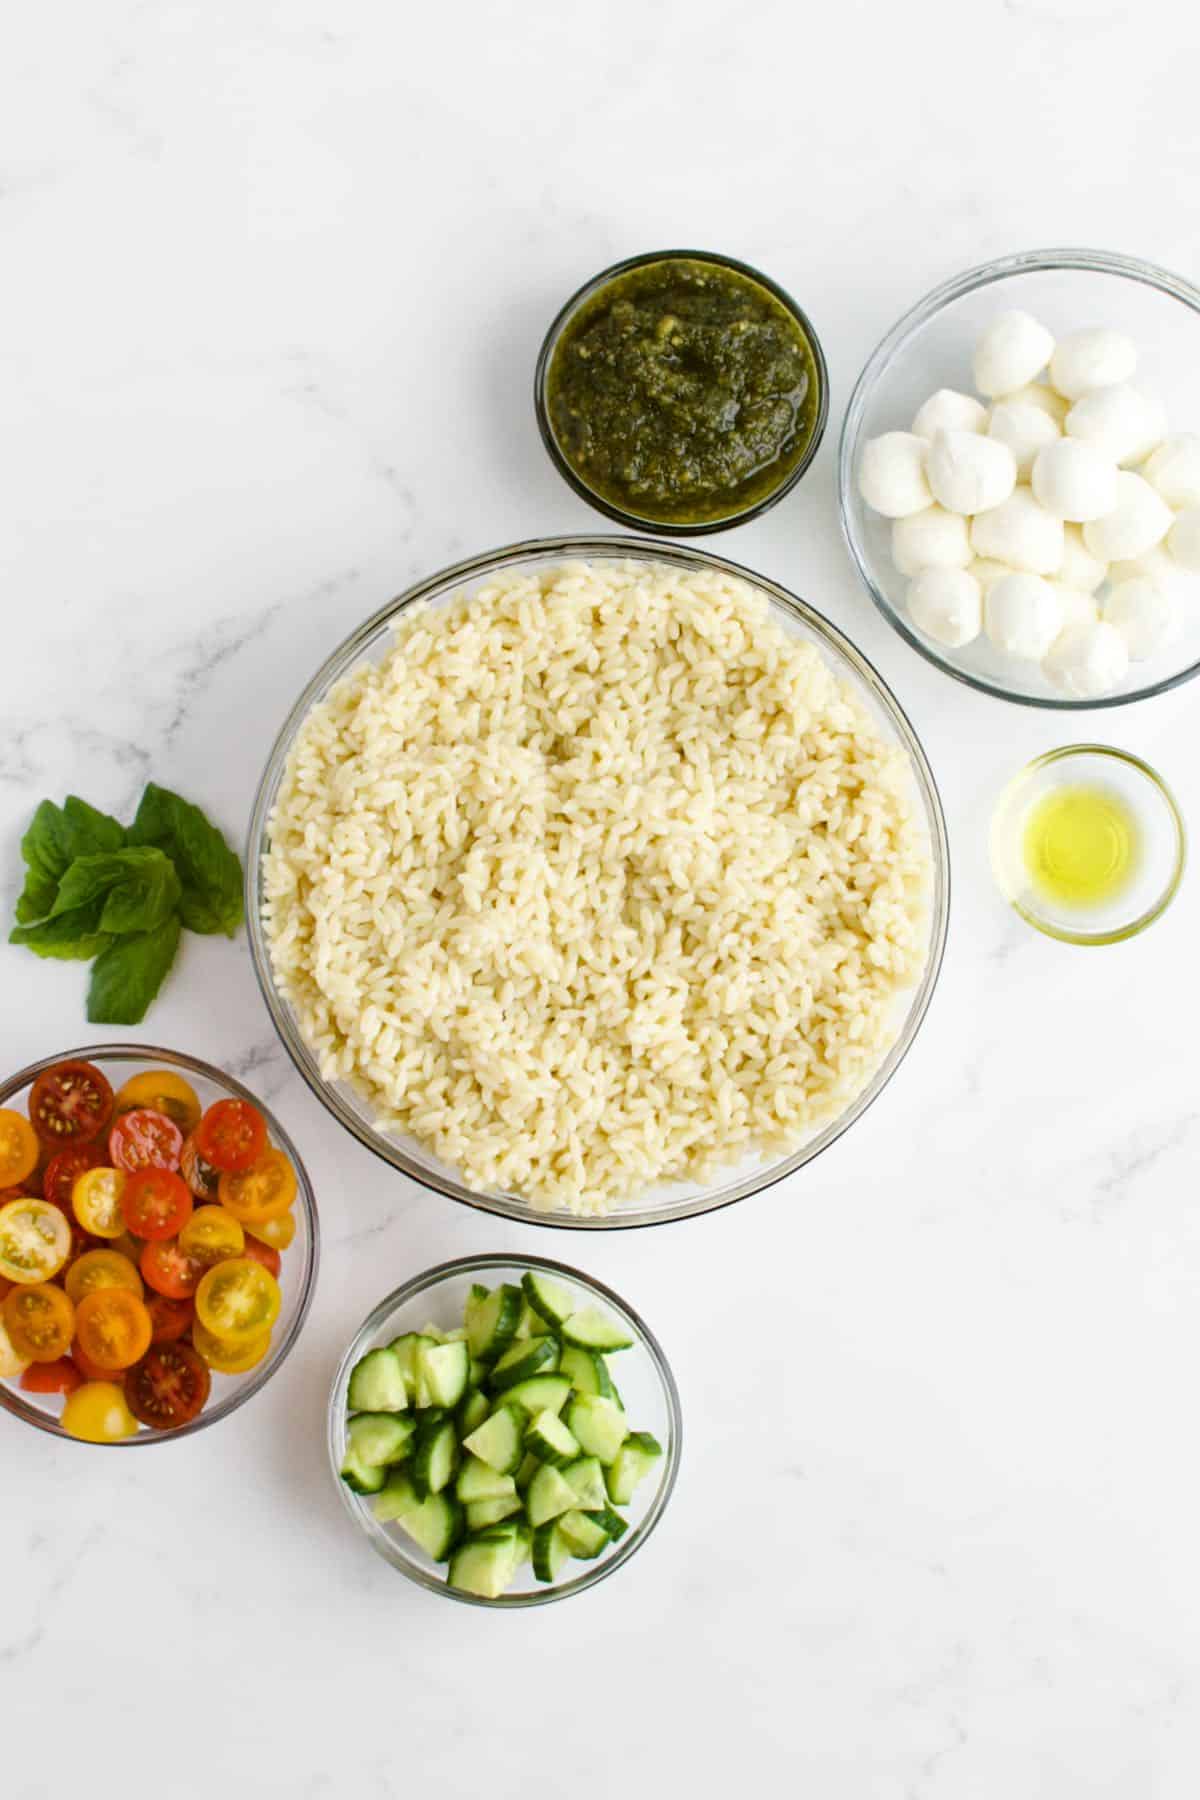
158 1244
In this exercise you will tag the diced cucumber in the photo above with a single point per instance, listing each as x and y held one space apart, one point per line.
590 1329
482 1513
491 1320
548 1495
598 1424
377 1383
435 1523
362 1477
632 1463
524 1360
610 1522
475 1481
550 1441
586 1479
396 1498
549 1299
550 1551
541 1393
434 1456
585 1537
442 1371
587 1372
408 1347
485 1565
499 1440
473 1409
530 1324
526 1472
379 1438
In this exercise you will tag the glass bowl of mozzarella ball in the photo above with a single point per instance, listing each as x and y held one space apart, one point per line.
1019 478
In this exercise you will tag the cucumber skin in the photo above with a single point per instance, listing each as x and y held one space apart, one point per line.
530 1357
550 1551
534 1287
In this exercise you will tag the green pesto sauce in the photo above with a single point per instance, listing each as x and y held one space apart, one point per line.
683 392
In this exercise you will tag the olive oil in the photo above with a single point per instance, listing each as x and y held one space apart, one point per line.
1081 845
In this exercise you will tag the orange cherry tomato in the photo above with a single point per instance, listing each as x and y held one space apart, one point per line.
35 1240
232 1135
170 1271
61 1377
229 1359
264 1192
212 1235
277 1233
97 1269
270 1259
169 1319
113 1327
237 1301
40 1322
70 1104
168 1387
162 1091
19 1148
97 1413
156 1203
145 1140
87 1368
96 1201
63 1171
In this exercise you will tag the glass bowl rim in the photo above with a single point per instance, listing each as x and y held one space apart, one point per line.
150 1054
638 1533
640 521
1024 262
342 658
1117 934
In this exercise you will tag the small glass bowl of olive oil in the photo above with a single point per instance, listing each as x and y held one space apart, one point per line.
1088 844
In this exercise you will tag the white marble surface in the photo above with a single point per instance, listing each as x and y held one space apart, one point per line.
274 277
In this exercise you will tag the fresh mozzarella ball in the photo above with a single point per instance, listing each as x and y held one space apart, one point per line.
947 605
1174 470
1092 359
1086 661
1157 565
987 572
1077 606
1023 615
968 473
932 539
1025 428
1043 397
1140 519
949 411
1073 481
1146 617
1184 541
1013 351
1079 568
1020 533
1120 422
891 475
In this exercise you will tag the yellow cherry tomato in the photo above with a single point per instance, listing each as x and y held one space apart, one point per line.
212 1235
127 1245
264 1192
237 1301
276 1232
97 1413
35 1240
40 1322
114 1327
228 1359
19 1148
161 1090
96 1202
97 1269
12 1363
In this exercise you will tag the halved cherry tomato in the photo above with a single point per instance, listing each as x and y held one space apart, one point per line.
232 1135
237 1301
40 1321
229 1359
97 1413
278 1233
70 1104
156 1203
168 1387
12 1363
264 1192
97 1269
113 1327
63 1171
270 1259
96 1201
200 1176
169 1319
35 1240
145 1140
87 1368
162 1091
126 1245
61 1377
19 1148
212 1235
170 1271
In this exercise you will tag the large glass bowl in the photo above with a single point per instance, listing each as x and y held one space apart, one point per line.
298 1271
648 1394
679 1200
931 347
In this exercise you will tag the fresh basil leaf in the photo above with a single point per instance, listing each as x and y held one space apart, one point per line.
137 888
211 873
68 937
56 836
127 976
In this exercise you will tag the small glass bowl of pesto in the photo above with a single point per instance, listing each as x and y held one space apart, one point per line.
681 392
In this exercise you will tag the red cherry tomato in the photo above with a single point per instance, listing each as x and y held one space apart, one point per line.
263 1253
70 1104
145 1140
156 1203
61 1377
168 1387
169 1319
90 1370
63 1171
232 1136
170 1271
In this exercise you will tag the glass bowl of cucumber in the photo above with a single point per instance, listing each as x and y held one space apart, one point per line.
480 1441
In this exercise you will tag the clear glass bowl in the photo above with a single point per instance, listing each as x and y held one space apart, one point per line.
680 1200
647 522
1159 848
642 1373
298 1271
931 347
